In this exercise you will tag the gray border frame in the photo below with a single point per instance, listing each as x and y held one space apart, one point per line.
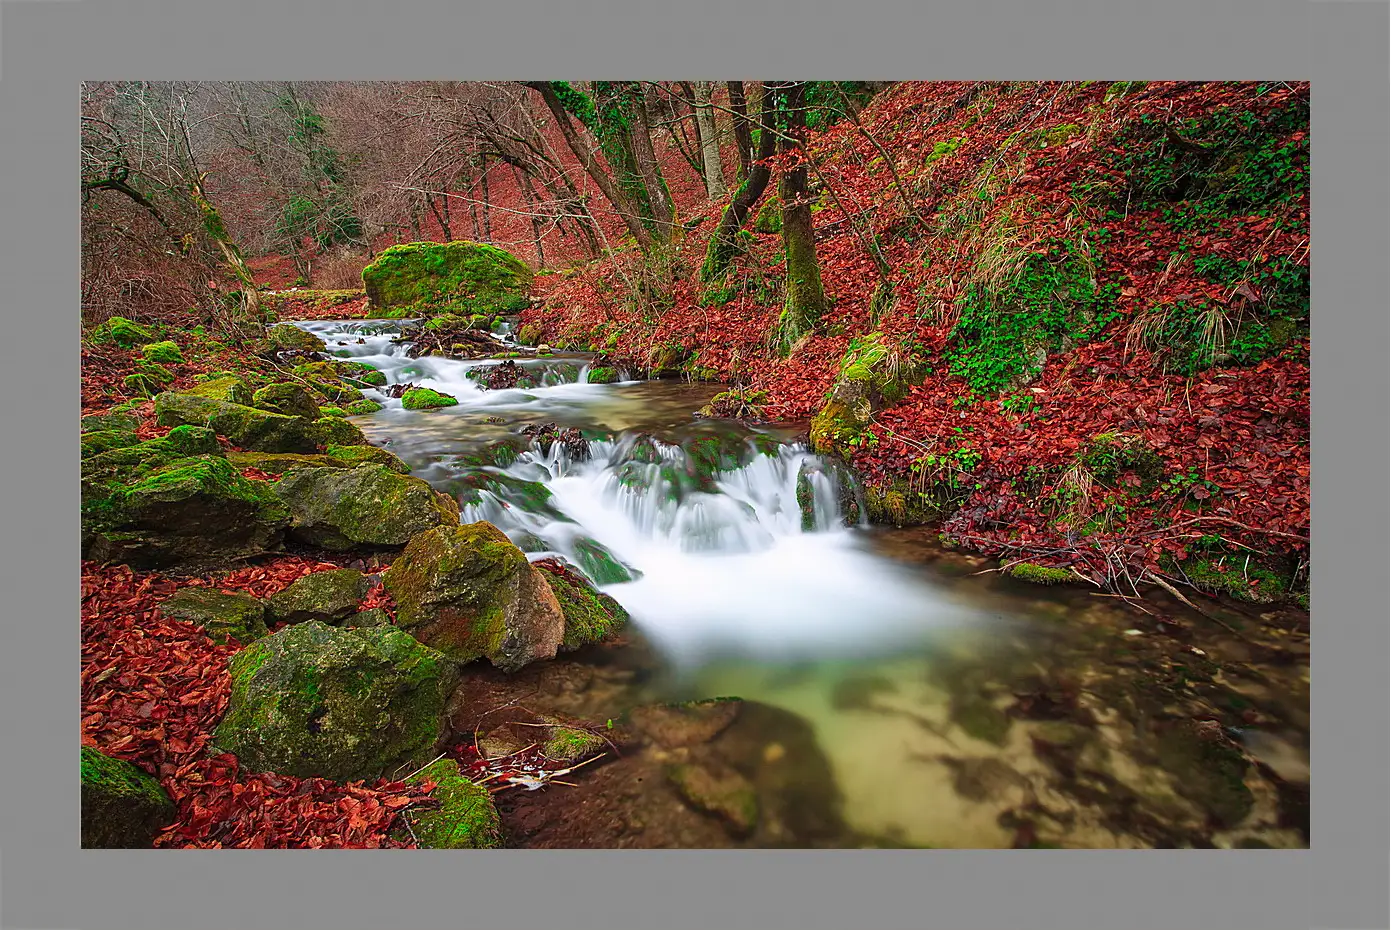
47 48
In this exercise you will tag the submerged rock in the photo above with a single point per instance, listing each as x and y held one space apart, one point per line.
328 596
470 593
720 791
222 615
687 724
369 505
346 704
122 807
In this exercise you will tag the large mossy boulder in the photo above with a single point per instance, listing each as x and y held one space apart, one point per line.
228 387
460 277
125 333
328 596
288 398
223 615
118 422
287 337
465 818
470 593
335 431
122 807
345 704
370 505
248 427
193 512
590 616
420 398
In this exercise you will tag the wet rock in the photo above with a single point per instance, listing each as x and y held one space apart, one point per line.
568 745
369 506
375 616
465 818
987 779
316 700
469 592
122 807
546 435
419 398
1207 769
717 790
287 337
599 563
329 597
693 722
223 616
590 616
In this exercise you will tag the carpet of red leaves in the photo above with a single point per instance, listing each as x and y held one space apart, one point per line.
153 690
1246 430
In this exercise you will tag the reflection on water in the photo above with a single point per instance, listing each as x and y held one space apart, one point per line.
953 707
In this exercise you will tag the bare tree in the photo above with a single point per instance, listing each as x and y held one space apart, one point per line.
709 143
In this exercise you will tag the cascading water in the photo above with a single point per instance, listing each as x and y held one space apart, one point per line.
727 546
715 542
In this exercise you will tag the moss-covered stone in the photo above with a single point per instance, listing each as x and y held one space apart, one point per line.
590 616
163 353
110 422
1039 574
873 375
192 511
332 412
328 596
602 375
369 505
345 704
719 791
122 807
289 337
470 593
286 397
688 723
568 745
529 334
465 818
426 399
125 333
461 277
230 388
248 427
374 616
332 431
363 407
99 441
223 616
354 455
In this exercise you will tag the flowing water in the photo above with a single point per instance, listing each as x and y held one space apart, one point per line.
953 707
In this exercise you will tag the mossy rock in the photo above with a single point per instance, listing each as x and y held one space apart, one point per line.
293 400
374 616
470 593
1038 574
370 505
287 337
229 388
602 375
359 454
1251 578
281 463
110 422
328 596
344 704
247 427
1206 769
426 399
328 389
460 276
125 333
163 353
122 807
719 791
99 441
590 616
689 723
223 616
363 407
332 412
599 563
332 431
465 818
568 745
194 512
529 335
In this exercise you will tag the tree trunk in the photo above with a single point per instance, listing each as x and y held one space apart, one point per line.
709 143
533 206
743 138
723 244
217 230
640 129
487 219
587 158
806 301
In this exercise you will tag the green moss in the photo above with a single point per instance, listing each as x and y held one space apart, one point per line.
363 407
460 276
125 333
1241 576
332 412
1039 574
720 792
163 353
289 337
769 218
354 455
110 422
589 615
122 807
248 427
370 505
99 441
602 375
223 616
426 399
328 596
288 398
336 431
229 387
465 818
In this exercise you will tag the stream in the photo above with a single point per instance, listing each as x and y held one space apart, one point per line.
942 704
